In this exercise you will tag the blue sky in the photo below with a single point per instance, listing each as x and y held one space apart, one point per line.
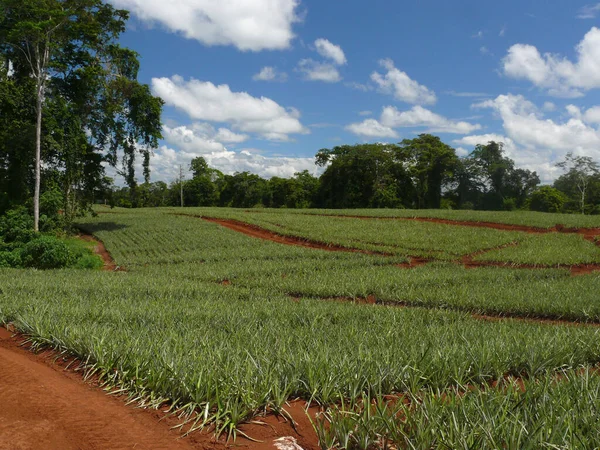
262 85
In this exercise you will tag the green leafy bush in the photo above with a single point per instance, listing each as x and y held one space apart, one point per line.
46 252
16 226
10 258
547 199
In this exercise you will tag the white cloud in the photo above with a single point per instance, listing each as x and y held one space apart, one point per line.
549 106
589 11
473 140
592 115
186 143
543 142
318 71
422 117
359 86
202 100
401 86
561 77
269 73
200 138
372 128
246 24
418 116
502 32
365 113
330 51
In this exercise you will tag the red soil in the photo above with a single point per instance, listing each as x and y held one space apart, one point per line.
100 249
45 407
48 406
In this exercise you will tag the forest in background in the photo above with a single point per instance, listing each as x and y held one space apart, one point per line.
419 173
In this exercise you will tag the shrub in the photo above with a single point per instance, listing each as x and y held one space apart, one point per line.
89 261
509 204
10 259
16 226
547 199
46 252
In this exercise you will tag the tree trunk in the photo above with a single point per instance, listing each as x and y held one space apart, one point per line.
38 156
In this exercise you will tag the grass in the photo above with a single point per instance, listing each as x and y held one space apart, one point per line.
167 330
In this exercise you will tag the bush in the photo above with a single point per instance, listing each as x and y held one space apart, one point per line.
547 199
16 226
446 203
10 259
509 204
46 252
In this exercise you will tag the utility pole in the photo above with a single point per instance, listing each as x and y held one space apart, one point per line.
181 182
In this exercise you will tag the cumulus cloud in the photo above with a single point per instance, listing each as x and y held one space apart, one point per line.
558 75
185 143
471 141
401 86
542 142
269 73
417 117
372 128
422 117
319 71
330 51
202 100
252 25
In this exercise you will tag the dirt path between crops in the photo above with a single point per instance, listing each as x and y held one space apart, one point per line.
261 233
48 406
100 250
468 261
45 408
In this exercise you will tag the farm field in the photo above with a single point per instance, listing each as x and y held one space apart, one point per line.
403 333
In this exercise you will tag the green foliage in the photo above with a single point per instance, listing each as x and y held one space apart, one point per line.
66 58
547 199
16 226
46 252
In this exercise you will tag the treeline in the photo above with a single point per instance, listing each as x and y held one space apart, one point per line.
417 173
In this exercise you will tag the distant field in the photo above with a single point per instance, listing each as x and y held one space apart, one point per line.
229 324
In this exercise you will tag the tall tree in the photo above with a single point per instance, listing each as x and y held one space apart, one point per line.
430 163
69 48
580 169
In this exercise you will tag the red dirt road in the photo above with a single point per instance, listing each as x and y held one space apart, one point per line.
46 407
